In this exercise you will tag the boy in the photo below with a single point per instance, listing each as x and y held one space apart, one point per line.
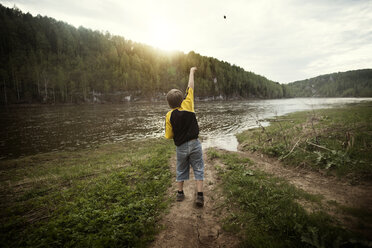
182 126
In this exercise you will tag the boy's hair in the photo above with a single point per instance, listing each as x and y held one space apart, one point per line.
174 98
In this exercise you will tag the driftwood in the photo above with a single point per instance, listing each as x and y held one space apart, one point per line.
323 147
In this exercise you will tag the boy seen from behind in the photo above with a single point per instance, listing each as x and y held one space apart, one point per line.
181 126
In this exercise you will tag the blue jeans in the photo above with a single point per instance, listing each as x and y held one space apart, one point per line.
190 153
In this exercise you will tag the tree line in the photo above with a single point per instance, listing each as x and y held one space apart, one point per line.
357 83
49 61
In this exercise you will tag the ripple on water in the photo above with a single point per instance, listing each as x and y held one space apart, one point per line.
47 128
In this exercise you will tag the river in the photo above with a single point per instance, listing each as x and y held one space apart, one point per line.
30 130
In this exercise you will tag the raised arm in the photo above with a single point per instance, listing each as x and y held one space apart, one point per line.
191 77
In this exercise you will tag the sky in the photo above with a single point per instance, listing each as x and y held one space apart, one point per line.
283 40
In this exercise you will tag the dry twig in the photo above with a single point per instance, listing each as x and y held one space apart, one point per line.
295 145
323 147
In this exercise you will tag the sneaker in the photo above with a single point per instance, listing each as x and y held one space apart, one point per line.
180 196
200 201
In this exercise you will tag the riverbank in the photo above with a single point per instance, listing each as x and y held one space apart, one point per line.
108 196
145 100
305 180
161 99
334 141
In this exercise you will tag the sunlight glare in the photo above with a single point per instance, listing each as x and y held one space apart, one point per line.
162 35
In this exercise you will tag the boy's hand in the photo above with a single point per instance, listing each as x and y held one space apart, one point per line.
193 69
191 77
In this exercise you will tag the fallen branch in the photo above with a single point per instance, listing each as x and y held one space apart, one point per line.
325 148
278 120
291 149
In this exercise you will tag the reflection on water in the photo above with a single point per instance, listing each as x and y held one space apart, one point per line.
30 130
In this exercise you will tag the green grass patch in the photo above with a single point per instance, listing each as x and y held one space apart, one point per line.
111 196
335 140
268 211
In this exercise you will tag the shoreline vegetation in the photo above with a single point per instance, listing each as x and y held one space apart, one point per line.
114 195
334 141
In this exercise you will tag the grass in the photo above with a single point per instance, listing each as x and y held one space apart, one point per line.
266 212
337 141
111 196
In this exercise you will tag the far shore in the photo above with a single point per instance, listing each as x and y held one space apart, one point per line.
206 99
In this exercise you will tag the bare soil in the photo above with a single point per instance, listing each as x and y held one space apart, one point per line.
188 226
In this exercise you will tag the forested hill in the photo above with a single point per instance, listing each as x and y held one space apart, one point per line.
356 83
44 60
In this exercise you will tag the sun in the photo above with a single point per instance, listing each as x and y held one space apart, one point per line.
162 35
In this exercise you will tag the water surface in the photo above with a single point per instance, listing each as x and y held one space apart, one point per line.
35 129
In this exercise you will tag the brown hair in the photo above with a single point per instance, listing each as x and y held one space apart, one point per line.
174 98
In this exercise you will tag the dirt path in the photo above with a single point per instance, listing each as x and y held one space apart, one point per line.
335 192
189 226
331 188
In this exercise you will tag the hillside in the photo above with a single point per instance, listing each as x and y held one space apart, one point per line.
356 83
48 61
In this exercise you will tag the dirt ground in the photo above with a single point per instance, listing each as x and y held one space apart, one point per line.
188 226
